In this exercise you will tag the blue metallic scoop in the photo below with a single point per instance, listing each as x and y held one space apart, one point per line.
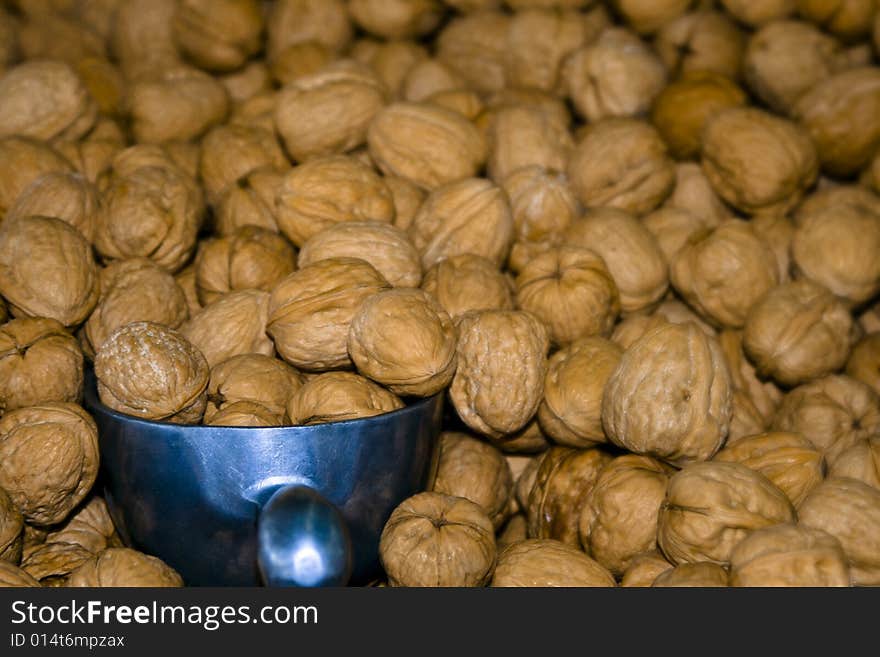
282 506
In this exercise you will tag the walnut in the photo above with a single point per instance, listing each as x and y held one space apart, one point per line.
310 311
789 555
546 562
552 105
48 459
66 196
758 162
427 78
647 18
39 362
124 567
231 152
702 574
861 461
710 507
186 281
841 114
833 197
571 290
11 526
45 99
475 47
761 397
13 576
513 531
682 109
253 378
52 563
247 82
159 299
621 163
245 414
300 60
502 360
407 197
468 216
788 460
541 202
703 40
232 324
755 13
258 111
322 192
693 193
777 231
250 202
833 413
673 229
670 396
153 372
297 21
89 527
47 270
396 19
839 247
620 518
617 75
150 212
676 312
864 361
385 247
468 282
425 144
849 20
141 36
338 396
24 160
178 103
218 36
469 468
849 510
561 492
799 331
644 569
526 136
630 252
724 272
528 440
250 258
393 61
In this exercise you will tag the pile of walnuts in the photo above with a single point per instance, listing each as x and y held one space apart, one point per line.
636 243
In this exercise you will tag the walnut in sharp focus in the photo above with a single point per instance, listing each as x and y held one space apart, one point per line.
66 196
245 414
153 372
13 576
89 527
124 567
710 507
218 36
502 360
546 562
254 378
52 563
48 459
670 396
338 396
468 282
702 574
861 461
11 526
433 539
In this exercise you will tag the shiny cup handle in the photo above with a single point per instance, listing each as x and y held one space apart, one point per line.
303 540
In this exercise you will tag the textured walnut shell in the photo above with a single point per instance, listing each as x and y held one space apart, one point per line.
13 576
621 163
24 160
475 47
541 202
861 461
251 258
693 193
407 197
90 527
387 248
761 398
723 273
230 152
710 507
396 19
310 311
296 21
841 116
48 459
245 414
326 191
233 324
571 290
465 283
66 196
682 109
673 228
338 396
789 555
151 212
758 162
545 562
571 411
799 331
404 340
703 574
153 372
833 413
755 13
433 539
526 136
159 299
528 440
848 19
561 492
468 216
620 518
839 248
263 380
425 144
616 75
702 40
39 362
471 469
644 569
123 567
218 36
250 202
11 526
45 99
670 396
788 460
47 270
52 563
502 360
849 510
